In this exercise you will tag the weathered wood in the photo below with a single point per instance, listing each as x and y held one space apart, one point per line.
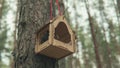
61 39
33 15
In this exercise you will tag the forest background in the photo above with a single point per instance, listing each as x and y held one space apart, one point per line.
95 22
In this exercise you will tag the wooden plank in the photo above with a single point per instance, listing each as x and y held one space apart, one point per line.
62 45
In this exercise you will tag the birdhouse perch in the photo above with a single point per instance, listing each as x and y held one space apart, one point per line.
56 39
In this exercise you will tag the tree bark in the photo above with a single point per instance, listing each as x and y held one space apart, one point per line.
33 15
93 36
118 4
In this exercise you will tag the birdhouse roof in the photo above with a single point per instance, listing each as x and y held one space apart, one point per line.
56 21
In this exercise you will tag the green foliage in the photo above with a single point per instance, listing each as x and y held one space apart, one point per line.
6 7
4 33
3 37
106 30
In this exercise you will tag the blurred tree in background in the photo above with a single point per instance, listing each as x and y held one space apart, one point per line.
5 34
3 30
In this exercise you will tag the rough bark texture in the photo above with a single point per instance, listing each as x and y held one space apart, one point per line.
33 15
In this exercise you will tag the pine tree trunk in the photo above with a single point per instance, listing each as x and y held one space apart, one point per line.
106 55
93 36
33 15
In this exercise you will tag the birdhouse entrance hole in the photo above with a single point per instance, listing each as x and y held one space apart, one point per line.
56 39
61 33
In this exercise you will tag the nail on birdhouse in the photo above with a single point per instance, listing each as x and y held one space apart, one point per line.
56 39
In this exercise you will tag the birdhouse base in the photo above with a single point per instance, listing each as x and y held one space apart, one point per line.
54 51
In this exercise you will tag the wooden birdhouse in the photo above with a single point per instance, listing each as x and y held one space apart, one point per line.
56 39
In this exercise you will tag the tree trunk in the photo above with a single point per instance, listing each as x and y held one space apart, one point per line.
106 55
93 37
33 15
118 4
